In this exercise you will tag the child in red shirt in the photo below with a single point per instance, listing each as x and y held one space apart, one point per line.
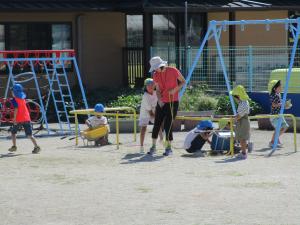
21 118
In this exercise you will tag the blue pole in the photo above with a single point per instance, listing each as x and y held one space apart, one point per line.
80 82
224 69
40 96
10 77
286 88
196 60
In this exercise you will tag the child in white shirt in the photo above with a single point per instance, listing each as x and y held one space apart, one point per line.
147 111
97 121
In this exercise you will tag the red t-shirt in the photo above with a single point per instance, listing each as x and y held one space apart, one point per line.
167 81
23 113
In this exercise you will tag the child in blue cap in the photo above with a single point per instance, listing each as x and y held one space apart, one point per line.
197 137
21 118
97 121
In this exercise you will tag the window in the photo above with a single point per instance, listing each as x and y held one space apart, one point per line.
35 36
61 36
195 29
164 30
134 30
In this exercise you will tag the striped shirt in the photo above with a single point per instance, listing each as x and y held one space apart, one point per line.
243 108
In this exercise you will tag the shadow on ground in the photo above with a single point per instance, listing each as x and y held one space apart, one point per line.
10 155
139 158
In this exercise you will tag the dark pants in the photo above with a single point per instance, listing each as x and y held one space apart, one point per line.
164 115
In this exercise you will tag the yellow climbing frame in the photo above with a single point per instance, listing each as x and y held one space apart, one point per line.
108 112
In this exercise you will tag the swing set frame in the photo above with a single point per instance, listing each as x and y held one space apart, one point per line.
215 29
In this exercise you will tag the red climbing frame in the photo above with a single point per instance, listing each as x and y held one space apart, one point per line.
35 54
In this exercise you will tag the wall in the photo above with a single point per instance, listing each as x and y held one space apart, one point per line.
225 35
257 34
103 36
98 39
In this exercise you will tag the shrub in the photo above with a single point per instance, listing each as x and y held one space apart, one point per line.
224 106
195 99
132 100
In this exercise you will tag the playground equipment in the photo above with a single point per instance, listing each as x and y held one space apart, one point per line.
94 134
214 31
58 68
114 112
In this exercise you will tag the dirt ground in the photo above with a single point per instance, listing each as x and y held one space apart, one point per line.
68 185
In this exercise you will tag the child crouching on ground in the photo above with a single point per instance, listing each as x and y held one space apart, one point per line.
274 88
147 111
21 118
242 130
197 137
97 121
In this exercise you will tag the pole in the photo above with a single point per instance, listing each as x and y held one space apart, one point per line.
274 147
185 38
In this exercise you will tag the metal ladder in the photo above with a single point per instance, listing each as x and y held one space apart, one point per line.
61 93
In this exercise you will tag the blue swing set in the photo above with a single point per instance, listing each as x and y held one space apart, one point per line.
214 31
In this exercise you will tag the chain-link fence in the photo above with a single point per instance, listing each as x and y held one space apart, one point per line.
246 65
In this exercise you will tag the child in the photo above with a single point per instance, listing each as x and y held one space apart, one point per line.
98 121
242 132
275 99
21 118
147 111
197 137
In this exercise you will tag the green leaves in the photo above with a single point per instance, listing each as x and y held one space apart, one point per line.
195 99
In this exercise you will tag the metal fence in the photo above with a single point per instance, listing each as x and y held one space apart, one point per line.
246 65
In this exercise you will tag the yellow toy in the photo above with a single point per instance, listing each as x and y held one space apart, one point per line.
94 134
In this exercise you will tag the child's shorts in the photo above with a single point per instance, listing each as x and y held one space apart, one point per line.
27 128
143 122
274 122
242 129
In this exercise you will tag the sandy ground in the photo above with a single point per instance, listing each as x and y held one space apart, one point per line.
66 185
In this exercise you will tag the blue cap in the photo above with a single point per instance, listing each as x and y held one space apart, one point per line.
205 124
18 91
99 108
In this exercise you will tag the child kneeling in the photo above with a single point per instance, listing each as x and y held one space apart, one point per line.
95 122
197 137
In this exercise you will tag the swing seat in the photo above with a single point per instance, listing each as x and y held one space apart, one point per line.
94 134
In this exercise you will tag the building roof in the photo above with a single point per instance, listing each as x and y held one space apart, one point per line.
145 5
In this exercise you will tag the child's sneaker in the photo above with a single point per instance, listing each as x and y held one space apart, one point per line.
152 150
168 151
241 156
36 150
12 149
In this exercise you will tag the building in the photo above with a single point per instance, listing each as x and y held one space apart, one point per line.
113 39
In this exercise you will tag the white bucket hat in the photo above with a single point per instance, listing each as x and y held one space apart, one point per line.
156 62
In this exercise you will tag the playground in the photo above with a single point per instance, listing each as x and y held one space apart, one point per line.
72 182
87 185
